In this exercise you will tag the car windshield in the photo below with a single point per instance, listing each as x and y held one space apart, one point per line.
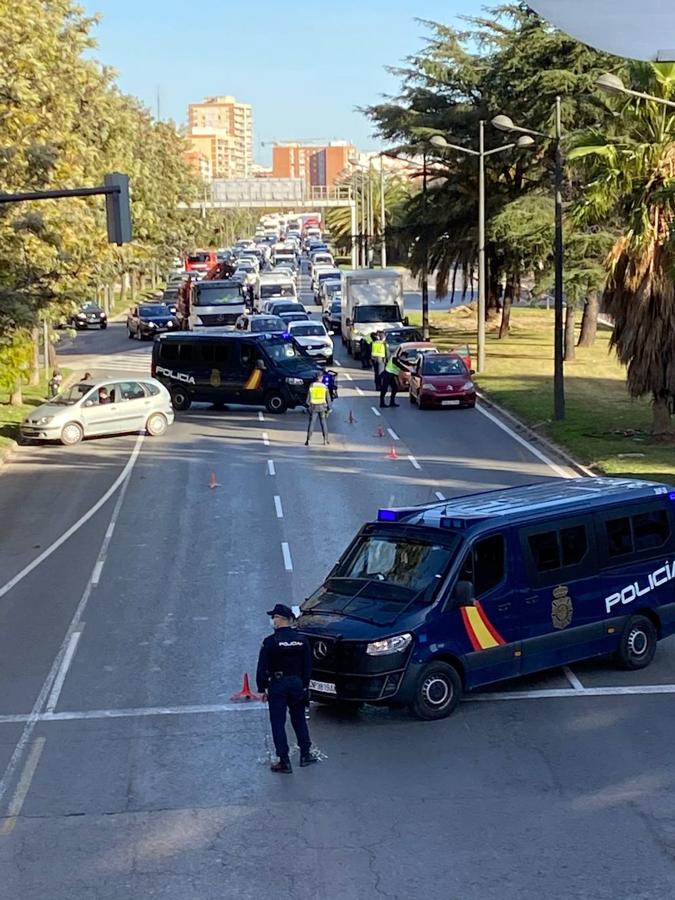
393 568
217 294
73 394
336 307
198 258
444 365
279 349
276 290
288 307
413 354
151 312
90 307
308 329
271 323
401 337
294 317
389 313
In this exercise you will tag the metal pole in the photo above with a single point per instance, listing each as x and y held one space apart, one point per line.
383 223
482 274
371 216
558 345
354 226
45 341
425 278
363 241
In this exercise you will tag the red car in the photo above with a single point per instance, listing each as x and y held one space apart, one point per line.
442 379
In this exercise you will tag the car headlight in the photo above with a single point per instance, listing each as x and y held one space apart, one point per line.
389 645
45 420
103 315
468 386
151 325
428 387
297 381
169 324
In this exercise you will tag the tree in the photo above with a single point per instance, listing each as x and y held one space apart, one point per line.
631 167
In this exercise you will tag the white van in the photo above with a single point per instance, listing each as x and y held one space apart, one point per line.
215 303
273 285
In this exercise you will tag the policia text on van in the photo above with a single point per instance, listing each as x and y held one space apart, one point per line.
430 601
233 367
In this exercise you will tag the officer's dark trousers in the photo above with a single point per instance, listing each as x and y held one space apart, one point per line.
378 370
388 382
365 355
288 694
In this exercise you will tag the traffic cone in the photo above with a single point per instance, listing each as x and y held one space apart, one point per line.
350 418
212 481
245 693
380 432
392 453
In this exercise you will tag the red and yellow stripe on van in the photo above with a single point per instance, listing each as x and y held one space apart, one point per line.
253 381
481 631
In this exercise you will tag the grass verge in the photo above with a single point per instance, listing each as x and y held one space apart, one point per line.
603 427
11 416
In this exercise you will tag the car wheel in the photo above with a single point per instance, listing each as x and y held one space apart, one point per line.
437 692
638 643
71 433
104 325
180 399
130 334
329 361
412 398
156 425
275 403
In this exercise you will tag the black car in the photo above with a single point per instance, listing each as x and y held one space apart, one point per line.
395 336
89 315
332 318
148 319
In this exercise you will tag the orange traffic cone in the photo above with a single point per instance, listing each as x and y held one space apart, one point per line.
380 432
392 453
245 693
212 481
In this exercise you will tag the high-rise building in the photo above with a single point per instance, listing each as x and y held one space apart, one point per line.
222 130
320 165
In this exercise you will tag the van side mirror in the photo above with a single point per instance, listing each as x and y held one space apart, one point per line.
349 323
464 594
472 371
260 364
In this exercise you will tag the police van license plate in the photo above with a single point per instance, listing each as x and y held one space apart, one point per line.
449 402
322 687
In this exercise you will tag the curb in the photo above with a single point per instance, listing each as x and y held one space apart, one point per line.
535 438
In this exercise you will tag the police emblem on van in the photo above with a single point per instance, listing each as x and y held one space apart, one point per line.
215 378
561 607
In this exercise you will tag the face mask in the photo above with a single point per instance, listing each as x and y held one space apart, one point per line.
272 622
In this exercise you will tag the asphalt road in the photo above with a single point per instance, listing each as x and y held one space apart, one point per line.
129 774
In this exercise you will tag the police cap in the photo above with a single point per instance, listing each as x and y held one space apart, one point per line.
280 610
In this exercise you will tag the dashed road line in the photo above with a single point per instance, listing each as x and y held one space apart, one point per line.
261 416
286 551
22 788
376 411
393 434
439 495
265 438
278 507
414 462
96 574
348 376
573 680
359 391
63 671
271 468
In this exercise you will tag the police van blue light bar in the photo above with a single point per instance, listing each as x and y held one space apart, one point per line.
671 495
389 515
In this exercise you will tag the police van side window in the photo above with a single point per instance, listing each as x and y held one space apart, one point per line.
558 548
485 564
642 531
168 353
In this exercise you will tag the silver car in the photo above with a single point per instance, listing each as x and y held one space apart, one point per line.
101 406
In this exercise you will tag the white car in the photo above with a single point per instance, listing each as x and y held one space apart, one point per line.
314 339
100 406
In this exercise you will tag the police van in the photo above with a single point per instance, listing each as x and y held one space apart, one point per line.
434 600
222 367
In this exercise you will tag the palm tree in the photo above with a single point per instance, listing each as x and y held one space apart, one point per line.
632 178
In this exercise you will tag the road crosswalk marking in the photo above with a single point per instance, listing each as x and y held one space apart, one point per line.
138 361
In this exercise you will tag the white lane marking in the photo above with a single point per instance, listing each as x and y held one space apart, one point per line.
376 411
439 495
533 450
261 416
266 438
337 362
348 376
96 574
359 391
393 434
278 507
63 670
414 462
131 462
271 469
22 788
33 717
143 712
288 562
573 680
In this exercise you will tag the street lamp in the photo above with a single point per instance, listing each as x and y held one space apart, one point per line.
614 86
504 123
439 141
366 208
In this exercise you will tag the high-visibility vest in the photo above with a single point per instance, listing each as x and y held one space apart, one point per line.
317 394
366 338
391 367
379 349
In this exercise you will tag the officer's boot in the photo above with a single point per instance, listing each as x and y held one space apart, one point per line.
307 759
283 767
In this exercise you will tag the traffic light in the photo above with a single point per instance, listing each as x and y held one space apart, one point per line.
118 208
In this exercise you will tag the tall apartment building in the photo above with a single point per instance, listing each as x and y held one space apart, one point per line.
221 129
320 165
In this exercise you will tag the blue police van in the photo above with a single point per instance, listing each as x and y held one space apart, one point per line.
222 367
434 600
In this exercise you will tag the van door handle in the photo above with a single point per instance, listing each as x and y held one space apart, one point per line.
503 607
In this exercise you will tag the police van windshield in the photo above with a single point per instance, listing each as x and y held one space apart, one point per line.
280 349
395 568
217 294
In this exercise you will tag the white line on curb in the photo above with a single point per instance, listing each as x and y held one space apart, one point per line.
286 551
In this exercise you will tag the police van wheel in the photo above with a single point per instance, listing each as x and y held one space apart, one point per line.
180 399
275 403
638 643
437 692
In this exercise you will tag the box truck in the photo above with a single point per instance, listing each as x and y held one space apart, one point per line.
371 299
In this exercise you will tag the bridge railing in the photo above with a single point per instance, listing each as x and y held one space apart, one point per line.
249 191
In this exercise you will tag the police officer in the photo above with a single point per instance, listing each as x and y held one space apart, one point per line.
365 346
378 353
389 380
318 405
284 667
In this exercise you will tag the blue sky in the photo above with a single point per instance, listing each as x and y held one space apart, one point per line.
303 66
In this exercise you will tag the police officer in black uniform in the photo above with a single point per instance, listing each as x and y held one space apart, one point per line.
284 668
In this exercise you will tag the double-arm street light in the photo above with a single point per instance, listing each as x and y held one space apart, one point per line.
612 84
504 123
367 235
439 141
